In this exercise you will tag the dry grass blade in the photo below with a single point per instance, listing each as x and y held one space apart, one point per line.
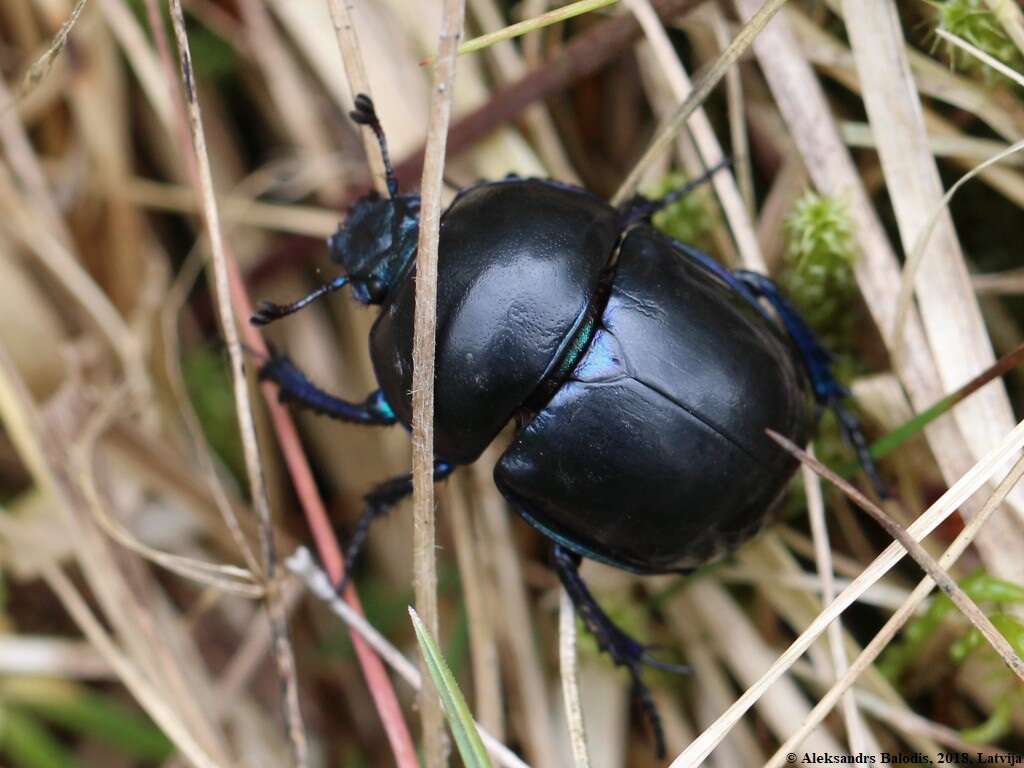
668 130
803 104
856 729
424 342
247 428
41 66
945 582
302 565
997 65
227 578
129 675
555 16
916 256
947 504
905 612
569 669
723 182
358 82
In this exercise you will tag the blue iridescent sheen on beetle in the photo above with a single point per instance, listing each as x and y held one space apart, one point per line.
641 375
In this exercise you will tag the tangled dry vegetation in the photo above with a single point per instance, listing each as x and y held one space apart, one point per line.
161 164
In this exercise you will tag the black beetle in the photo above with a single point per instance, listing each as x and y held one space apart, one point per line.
641 375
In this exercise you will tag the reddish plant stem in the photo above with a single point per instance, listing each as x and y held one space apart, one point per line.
328 548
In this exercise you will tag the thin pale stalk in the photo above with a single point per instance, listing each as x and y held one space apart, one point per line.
916 257
569 668
898 619
856 729
236 209
424 341
348 43
945 582
474 578
302 565
723 182
526 26
977 53
946 505
668 130
254 468
741 160
41 66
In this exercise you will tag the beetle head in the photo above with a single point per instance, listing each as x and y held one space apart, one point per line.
376 243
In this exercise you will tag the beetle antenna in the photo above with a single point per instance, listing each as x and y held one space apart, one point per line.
641 209
366 114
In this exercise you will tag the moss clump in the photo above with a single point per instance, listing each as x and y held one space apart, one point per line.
973 21
818 275
688 219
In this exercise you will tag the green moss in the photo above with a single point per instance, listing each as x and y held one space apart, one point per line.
209 387
983 589
818 275
689 219
973 21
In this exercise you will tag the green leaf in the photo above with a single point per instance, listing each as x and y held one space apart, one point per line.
27 744
99 717
460 720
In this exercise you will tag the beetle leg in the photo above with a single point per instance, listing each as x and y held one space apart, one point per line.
624 650
641 208
379 502
267 312
827 389
294 387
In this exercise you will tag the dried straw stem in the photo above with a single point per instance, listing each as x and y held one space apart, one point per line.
945 582
948 503
254 468
302 565
667 132
424 341
856 729
569 669
905 612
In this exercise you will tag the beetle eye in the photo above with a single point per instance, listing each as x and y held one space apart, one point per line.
375 289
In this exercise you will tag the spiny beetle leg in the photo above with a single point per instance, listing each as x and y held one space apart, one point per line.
379 502
267 312
295 388
827 389
624 650
641 208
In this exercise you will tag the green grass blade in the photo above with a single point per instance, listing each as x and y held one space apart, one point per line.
554 16
98 717
460 720
26 743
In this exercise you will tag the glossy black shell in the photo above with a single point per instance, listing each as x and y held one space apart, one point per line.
650 453
653 455
519 263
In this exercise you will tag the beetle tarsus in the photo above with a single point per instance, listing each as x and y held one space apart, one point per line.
366 114
267 312
624 650
379 502
296 389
